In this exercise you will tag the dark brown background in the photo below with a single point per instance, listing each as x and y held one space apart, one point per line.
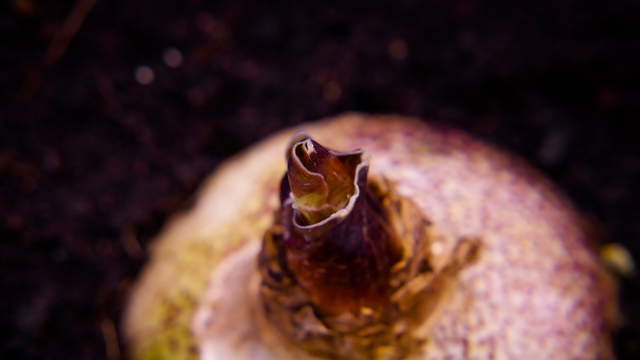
92 162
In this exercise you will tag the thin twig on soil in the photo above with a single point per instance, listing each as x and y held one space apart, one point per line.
68 31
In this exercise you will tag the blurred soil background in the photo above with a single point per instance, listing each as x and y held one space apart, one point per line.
113 112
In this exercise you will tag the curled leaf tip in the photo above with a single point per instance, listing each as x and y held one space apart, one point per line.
322 181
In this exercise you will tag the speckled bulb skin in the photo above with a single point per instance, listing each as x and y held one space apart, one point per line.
536 291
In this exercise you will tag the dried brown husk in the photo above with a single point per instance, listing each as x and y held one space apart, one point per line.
393 327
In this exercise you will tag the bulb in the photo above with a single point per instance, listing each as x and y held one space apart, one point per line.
374 237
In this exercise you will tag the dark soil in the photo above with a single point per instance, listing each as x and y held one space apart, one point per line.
92 161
